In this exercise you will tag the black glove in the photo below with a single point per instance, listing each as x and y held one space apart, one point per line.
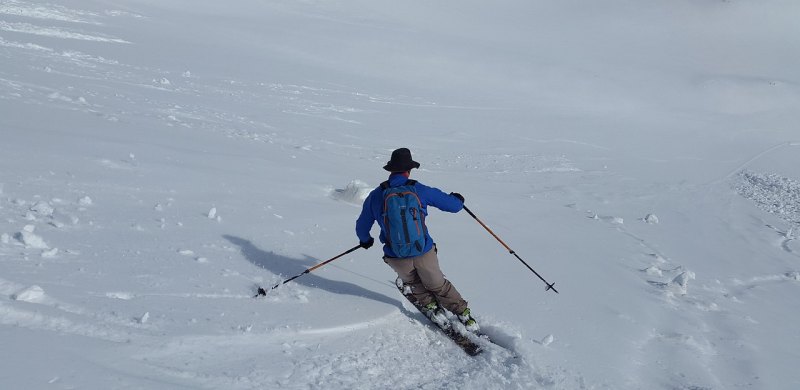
367 244
458 196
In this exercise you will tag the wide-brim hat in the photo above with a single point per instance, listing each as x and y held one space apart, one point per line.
401 161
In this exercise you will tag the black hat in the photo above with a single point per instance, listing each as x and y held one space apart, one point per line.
401 161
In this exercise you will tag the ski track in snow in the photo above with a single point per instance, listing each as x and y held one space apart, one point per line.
384 353
30 319
47 313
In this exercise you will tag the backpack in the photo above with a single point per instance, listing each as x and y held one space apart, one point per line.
404 220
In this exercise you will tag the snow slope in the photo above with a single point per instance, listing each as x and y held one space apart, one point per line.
159 159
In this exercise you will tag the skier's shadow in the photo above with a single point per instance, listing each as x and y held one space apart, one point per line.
288 267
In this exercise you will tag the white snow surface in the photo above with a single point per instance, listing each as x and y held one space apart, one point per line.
562 123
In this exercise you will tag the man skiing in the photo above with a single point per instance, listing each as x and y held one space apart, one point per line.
408 248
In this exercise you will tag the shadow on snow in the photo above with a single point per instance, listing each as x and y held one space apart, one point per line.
288 267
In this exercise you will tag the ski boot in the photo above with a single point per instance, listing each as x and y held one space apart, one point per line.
436 314
469 322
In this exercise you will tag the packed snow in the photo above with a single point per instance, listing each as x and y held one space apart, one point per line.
162 159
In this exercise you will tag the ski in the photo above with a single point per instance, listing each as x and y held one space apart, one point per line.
442 323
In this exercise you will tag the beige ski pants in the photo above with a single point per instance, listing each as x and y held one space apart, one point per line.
427 282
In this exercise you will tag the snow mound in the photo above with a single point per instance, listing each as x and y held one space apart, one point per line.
125 296
49 254
653 271
85 201
31 240
43 209
33 294
680 283
651 219
355 192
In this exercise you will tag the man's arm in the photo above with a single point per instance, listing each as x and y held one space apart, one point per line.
365 220
437 198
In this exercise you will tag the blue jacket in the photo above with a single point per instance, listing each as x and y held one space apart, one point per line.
372 211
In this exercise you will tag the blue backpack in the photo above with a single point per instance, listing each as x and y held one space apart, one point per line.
404 220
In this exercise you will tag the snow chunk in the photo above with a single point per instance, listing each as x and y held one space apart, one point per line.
33 294
143 319
60 219
49 254
125 296
547 340
355 192
57 224
654 271
30 240
680 283
606 218
42 208
651 219
212 213
85 201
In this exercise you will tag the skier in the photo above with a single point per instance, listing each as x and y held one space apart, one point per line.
417 264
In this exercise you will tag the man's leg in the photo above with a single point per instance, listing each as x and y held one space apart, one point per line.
408 274
431 276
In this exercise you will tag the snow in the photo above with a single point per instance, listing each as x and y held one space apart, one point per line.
642 156
772 193
29 239
650 218
33 294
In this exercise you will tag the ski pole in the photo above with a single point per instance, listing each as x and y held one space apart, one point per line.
262 291
550 286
